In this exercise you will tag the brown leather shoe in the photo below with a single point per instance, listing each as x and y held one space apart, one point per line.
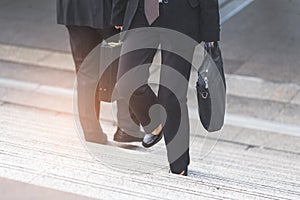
121 136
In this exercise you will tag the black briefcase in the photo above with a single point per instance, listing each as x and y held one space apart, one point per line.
211 89
109 54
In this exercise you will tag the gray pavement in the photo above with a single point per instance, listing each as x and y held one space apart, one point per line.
53 157
254 42
11 190
254 157
34 20
263 41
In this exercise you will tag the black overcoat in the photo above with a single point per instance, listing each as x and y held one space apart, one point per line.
91 13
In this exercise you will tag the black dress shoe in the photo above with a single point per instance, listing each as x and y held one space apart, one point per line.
182 173
121 136
96 138
150 139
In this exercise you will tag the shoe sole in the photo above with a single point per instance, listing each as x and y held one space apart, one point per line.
121 141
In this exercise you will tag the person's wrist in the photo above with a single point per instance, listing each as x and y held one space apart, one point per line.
119 27
210 44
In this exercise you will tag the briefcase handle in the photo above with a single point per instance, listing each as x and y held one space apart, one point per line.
112 44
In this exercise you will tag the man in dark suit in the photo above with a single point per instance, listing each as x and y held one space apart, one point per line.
88 24
198 19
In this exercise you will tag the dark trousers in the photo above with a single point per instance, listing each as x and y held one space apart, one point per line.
172 93
83 40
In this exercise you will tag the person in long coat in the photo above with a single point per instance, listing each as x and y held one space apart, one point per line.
88 24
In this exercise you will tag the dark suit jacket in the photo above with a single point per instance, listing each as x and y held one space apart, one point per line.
91 13
199 20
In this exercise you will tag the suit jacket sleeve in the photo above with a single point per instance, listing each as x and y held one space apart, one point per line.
118 12
210 20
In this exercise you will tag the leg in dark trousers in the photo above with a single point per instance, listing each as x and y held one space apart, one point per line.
173 97
83 40
85 49
135 66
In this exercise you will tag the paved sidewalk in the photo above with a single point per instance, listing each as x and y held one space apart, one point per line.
264 41
10 190
43 148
